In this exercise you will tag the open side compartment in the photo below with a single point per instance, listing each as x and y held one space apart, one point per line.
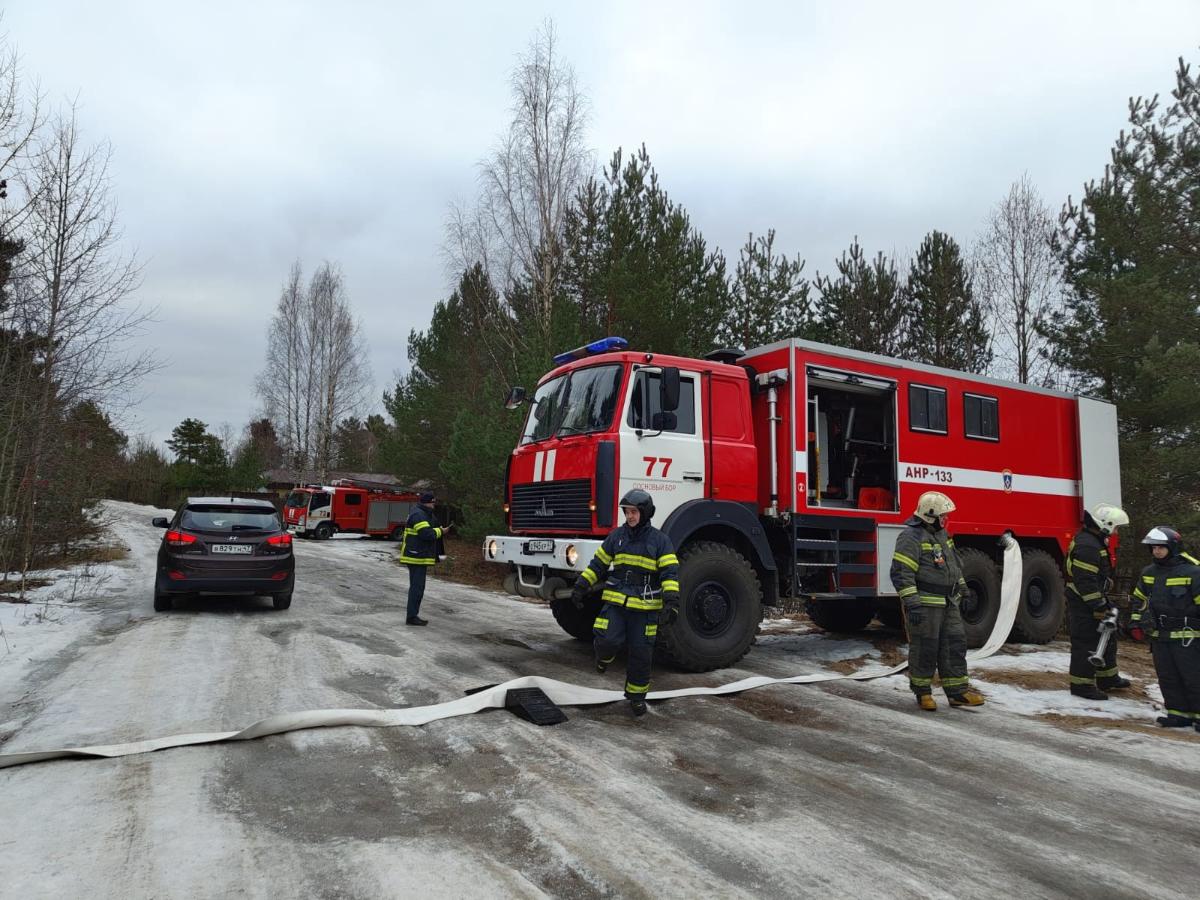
851 441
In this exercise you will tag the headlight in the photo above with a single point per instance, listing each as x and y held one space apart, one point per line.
493 549
572 555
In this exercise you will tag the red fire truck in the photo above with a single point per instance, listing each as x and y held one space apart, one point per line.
789 470
351 505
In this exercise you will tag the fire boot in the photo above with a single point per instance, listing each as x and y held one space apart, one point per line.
969 697
1116 683
1170 720
926 702
638 705
1088 692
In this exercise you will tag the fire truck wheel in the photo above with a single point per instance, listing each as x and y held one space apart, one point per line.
576 622
282 601
397 534
324 531
982 603
720 608
1043 599
844 616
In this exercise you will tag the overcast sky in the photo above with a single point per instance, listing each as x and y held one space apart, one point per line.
247 135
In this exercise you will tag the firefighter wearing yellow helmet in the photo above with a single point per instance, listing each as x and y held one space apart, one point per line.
1089 578
928 575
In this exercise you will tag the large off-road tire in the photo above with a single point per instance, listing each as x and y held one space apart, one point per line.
720 606
982 603
577 623
845 616
1043 599
162 602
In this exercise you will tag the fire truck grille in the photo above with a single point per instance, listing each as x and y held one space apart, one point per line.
555 505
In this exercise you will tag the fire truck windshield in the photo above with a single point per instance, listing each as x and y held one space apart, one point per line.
579 402
297 499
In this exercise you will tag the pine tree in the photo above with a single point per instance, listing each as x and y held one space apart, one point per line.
769 297
946 327
1130 329
863 308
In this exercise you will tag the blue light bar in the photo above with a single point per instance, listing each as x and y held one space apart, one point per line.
604 345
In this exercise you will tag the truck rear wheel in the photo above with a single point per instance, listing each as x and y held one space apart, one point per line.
577 623
982 603
844 616
719 609
1043 599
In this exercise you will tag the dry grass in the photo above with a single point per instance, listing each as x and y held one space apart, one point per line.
464 564
1078 723
14 586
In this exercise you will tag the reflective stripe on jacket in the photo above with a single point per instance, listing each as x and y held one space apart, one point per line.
1171 589
1088 568
926 569
419 547
645 569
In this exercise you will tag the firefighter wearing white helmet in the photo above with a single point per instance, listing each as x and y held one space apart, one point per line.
1166 608
1089 578
928 575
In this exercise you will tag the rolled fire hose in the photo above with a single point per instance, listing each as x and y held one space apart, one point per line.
560 692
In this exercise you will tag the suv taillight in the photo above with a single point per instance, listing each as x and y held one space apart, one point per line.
280 540
179 539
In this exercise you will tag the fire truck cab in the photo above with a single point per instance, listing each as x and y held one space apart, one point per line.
789 470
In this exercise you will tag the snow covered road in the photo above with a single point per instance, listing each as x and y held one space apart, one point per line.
841 790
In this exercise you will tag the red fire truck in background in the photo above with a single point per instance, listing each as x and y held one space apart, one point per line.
349 505
789 470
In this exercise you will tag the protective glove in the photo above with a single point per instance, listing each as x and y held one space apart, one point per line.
670 613
915 616
1099 612
579 592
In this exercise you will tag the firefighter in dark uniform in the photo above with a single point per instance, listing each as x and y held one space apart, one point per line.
928 576
418 551
1089 578
641 590
1166 608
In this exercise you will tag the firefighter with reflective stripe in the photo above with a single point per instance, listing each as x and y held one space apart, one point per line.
638 571
1089 578
1166 607
927 574
418 551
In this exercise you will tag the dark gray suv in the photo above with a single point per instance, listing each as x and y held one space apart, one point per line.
224 545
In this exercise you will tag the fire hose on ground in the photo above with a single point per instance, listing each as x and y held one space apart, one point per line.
493 697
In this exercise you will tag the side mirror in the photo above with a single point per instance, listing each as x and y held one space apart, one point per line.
516 396
668 390
664 421
160 522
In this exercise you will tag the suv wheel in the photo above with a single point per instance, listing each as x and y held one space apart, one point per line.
162 602
282 601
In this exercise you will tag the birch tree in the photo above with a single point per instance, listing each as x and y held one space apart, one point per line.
515 227
1018 280
317 372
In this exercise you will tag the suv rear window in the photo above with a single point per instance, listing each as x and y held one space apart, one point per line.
210 517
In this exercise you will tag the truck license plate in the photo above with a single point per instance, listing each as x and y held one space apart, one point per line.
232 548
539 546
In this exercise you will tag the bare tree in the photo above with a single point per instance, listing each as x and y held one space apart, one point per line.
515 227
70 313
317 371
1019 280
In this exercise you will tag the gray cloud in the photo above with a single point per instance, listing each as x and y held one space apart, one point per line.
250 135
